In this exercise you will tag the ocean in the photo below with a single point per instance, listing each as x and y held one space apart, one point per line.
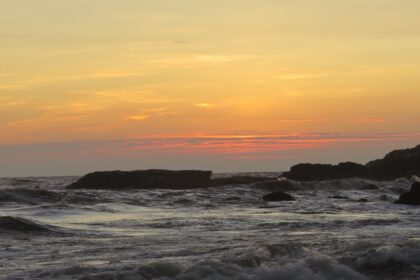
334 230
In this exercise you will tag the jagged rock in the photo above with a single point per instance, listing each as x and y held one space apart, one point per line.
396 164
412 197
278 196
319 172
144 179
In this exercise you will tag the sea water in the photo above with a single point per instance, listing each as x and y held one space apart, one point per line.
333 230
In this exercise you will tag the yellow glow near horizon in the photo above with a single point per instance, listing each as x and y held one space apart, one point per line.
100 70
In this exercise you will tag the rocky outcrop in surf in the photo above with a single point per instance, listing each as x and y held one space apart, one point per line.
412 197
396 164
159 179
144 179
320 172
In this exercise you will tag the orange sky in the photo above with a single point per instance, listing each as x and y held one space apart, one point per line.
249 73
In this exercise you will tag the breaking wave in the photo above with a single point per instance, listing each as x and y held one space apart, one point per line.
283 184
10 224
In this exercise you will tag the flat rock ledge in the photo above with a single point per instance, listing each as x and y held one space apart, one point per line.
144 179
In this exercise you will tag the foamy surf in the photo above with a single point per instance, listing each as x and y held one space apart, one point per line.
336 229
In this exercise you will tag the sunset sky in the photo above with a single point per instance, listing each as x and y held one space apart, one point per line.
227 85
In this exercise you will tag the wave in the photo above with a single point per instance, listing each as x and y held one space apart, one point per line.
386 256
310 268
39 196
291 261
9 224
381 262
283 184
29 196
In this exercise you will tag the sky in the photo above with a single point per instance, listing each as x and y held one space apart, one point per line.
225 85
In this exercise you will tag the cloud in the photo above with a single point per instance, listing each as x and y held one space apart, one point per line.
139 117
249 143
161 112
197 60
13 86
221 58
49 79
213 151
155 112
204 105
303 120
299 76
368 120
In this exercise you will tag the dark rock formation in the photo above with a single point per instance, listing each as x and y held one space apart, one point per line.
278 196
412 197
144 179
238 180
319 172
396 164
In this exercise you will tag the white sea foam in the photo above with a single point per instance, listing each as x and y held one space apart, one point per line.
310 268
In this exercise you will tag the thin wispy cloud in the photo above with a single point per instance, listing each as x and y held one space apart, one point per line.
50 79
368 120
303 120
222 58
249 143
298 76
13 86
239 146
204 105
138 117
197 60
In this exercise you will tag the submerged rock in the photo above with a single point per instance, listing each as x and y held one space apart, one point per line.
278 196
369 187
144 179
396 164
319 172
412 197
